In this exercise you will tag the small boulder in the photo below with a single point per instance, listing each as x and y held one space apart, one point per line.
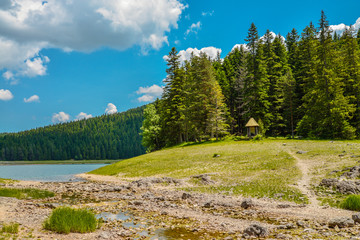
256 230
247 203
301 152
185 196
341 222
356 217
208 205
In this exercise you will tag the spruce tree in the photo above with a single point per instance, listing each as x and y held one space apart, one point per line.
173 100
349 71
256 86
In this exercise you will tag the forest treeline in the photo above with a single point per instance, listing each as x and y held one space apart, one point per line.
307 84
114 136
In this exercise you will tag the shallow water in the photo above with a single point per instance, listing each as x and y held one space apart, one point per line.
46 172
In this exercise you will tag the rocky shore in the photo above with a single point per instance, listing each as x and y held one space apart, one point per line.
159 208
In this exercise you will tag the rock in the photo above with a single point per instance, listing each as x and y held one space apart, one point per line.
256 230
185 196
346 187
51 205
352 173
208 205
204 178
247 203
284 206
301 152
301 224
104 235
137 203
341 222
356 217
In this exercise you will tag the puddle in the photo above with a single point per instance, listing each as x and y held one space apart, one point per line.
160 233
112 216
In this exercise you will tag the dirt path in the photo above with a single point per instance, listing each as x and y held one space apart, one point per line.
304 184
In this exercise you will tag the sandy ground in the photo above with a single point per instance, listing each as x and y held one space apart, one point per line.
163 206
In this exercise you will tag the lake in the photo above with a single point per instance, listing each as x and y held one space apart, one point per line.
46 172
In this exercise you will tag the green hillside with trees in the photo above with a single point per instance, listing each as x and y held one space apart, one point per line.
306 85
114 136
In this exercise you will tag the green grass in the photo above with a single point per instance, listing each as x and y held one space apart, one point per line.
25 193
66 220
12 228
4 180
251 168
352 202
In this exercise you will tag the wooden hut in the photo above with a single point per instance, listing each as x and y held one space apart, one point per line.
252 128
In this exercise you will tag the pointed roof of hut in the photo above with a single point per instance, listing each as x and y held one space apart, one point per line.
252 123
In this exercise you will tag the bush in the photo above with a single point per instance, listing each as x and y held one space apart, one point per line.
258 137
352 202
11 228
66 220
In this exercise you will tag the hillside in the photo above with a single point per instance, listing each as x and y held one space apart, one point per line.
279 169
113 136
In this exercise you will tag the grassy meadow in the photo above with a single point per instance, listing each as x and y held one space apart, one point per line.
265 168
25 193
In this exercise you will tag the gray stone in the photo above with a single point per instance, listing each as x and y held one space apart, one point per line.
247 203
104 235
329 182
256 230
205 179
356 217
185 196
346 187
301 152
208 205
341 222
284 206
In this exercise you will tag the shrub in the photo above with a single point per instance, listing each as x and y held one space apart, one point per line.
10 228
352 202
66 220
258 137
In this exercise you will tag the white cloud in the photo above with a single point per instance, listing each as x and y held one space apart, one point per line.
28 26
340 28
60 117
150 93
5 95
273 37
82 116
8 75
238 46
21 59
146 98
154 90
186 54
34 98
111 109
195 27
205 14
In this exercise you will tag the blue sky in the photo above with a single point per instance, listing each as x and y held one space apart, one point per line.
63 60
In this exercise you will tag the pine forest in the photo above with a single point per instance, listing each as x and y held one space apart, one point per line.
114 136
305 84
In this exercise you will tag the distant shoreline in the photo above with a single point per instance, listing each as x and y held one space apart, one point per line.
2 163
